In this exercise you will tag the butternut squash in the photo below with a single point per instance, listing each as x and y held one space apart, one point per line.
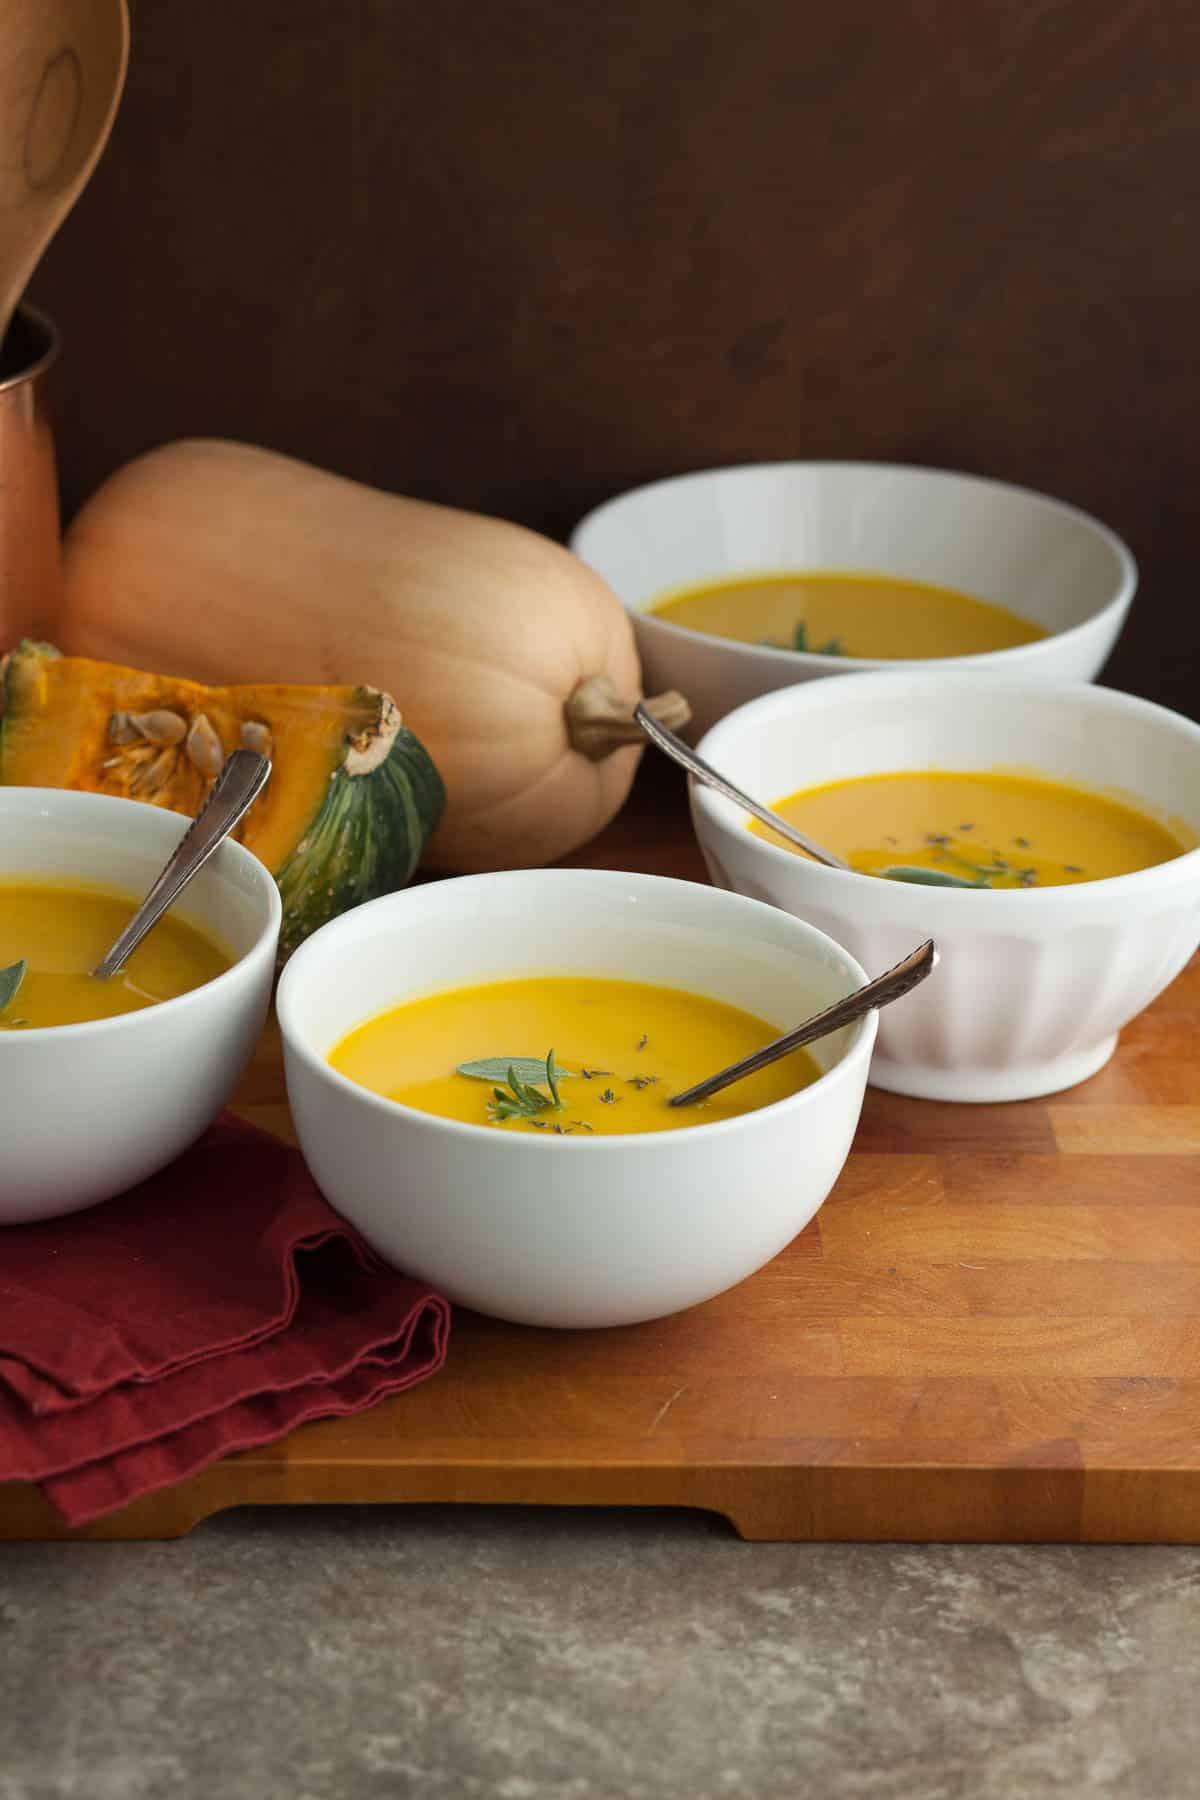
352 796
516 662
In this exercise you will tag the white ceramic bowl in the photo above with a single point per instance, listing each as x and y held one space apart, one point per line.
1045 560
86 1111
570 1231
1033 986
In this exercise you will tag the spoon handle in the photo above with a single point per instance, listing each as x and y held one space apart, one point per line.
686 757
233 793
880 992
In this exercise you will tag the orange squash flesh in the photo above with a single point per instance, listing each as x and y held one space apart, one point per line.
65 742
352 797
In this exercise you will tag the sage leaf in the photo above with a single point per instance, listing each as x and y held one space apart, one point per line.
10 983
496 1068
932 877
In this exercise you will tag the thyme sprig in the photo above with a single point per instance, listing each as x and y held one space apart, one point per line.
521 1099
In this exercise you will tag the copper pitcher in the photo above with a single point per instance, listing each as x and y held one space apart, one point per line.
30 550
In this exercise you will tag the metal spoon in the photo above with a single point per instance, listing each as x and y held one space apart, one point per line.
686 757
233 793
880 992
62 68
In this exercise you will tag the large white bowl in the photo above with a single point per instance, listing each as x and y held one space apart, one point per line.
1045 560
570 1231
87 1111
1033 986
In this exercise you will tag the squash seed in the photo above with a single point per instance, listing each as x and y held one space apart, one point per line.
204 747
121 729
160 726
256 736
151 776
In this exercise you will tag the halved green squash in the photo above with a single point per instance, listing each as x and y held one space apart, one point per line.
351 803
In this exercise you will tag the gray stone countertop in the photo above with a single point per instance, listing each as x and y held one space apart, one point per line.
454 1653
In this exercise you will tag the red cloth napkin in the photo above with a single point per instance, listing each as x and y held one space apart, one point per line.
212 1308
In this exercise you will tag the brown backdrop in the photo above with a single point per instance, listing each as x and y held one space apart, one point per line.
518 256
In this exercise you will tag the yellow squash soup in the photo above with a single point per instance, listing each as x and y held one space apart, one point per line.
60 932
621 1049
847 615
1002 831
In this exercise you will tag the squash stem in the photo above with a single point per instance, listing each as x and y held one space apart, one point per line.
599 721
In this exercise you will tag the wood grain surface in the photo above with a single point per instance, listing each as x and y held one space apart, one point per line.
990 1331
520 257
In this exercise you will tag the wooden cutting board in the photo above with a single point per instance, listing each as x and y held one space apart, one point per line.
990 1331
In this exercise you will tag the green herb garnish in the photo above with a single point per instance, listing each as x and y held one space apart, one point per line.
544 1124
932 877
10 983
522 1100
527 1088
974 874
499 1068
800 642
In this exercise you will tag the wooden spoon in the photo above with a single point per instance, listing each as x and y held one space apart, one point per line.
62 68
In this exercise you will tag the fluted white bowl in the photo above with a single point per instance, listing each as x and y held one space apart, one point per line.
570 1231
1046 560
1033 986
